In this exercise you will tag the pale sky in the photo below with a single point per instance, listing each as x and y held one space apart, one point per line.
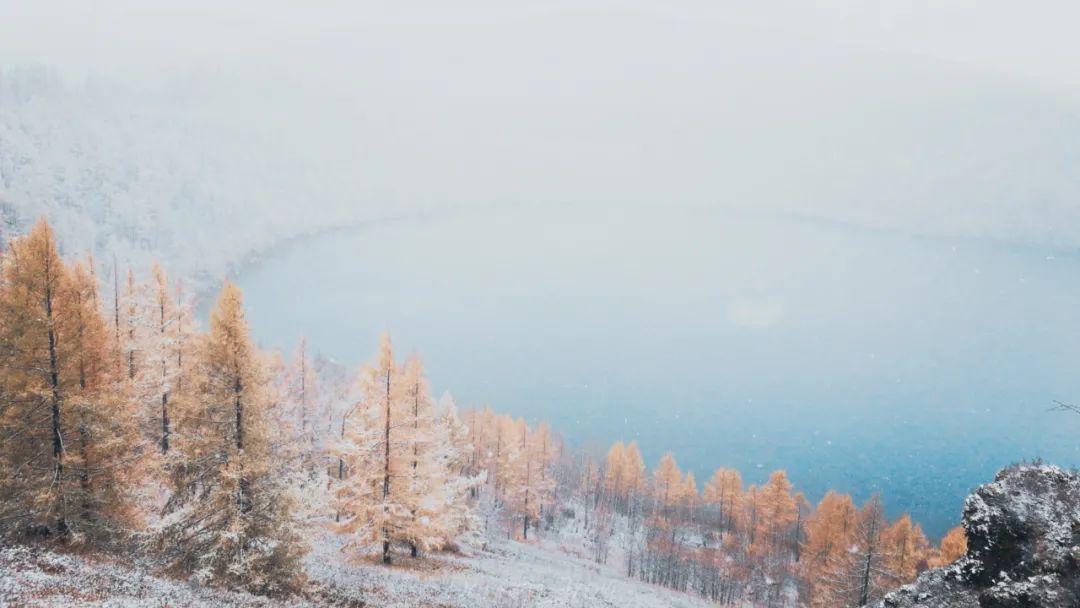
1034 40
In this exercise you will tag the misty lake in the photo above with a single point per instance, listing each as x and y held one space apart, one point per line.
859 360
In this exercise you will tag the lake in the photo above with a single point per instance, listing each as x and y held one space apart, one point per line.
856 359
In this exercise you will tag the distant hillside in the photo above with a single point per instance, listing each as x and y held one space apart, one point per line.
196 172
202 169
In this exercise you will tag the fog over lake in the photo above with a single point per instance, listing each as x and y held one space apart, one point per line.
855 358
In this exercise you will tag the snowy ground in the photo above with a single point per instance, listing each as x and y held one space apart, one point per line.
35 578
507 575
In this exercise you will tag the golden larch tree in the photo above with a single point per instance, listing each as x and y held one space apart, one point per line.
62 469
375 496
614 467
724 489
633 475
230 518
776 512
667 481
953 547
905 550
829 532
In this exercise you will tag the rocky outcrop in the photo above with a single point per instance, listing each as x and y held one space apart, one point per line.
1023 537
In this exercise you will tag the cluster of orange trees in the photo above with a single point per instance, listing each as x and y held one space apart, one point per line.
112 423
725 540
757 543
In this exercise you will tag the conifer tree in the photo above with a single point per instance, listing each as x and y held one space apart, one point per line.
905 549
953 547
614 467
63 430
858 575
303 397
687 500
687 497
426 462
517 475
589 486
528 496
140 349
166 330
376 497
829 530
109 458
777 511
509 463
404 463
135 323
724 489
230 519
750 515
633 475
336 389
667 480
456 517
803 510
829 533
184 322
543 455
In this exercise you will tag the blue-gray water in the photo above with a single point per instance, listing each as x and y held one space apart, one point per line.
856 359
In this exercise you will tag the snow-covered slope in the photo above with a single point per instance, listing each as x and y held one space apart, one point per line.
33 577
506 575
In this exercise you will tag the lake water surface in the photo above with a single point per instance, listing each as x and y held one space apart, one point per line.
856 359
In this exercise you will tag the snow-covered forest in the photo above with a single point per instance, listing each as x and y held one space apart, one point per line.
129 430
170 168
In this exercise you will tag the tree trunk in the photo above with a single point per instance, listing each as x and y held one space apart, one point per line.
243 502
415 452
341 463
54 384
164 378
116 303
303 386
864 594
164 423
84 474
386 474
238 408
84 435
179 338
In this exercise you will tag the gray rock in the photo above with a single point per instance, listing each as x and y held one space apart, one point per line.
1023 536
